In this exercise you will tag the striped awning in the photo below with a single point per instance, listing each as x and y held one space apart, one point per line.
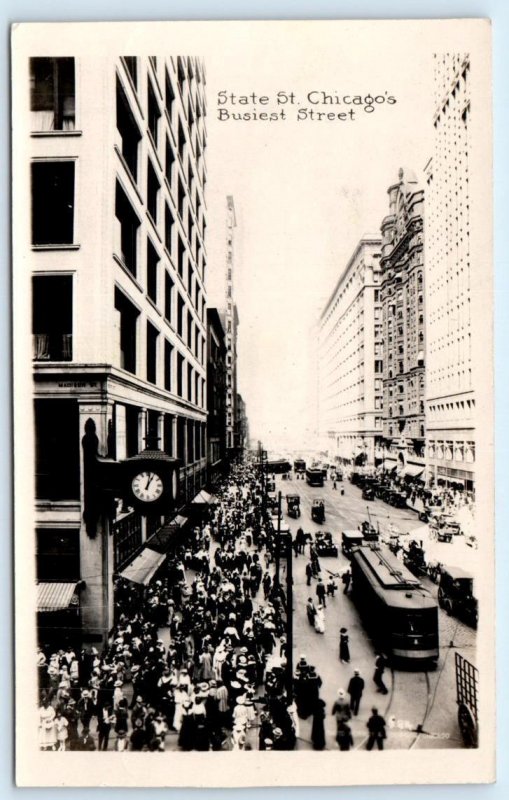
56 596
144 566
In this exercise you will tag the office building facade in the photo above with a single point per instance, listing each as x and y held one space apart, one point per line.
117 255
350 361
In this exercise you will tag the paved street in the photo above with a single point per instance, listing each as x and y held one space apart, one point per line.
415 698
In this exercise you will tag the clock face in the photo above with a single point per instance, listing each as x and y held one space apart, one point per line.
147 486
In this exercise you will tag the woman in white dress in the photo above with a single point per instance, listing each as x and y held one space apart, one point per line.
47 730
320 620
61 725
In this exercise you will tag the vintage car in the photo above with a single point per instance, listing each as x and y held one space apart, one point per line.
456 595
324 545
293 505
369 532
414 560
318 511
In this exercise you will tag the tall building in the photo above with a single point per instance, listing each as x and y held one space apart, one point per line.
231 322
350 360
402 296
450 274
216 396
115 161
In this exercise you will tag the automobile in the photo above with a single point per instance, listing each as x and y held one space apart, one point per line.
396 499
293 505
324 545
368 492
270 486
368 531
456 595
413 559
318 511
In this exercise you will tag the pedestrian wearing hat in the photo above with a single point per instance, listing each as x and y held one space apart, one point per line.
321 592
355 690
318 730
344 649
341 708
106 718
47 729
376 728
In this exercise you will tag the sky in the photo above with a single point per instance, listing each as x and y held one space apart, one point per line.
305 191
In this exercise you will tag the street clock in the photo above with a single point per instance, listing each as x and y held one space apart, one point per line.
150 481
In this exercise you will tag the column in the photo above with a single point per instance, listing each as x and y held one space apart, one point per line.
96 550
142 428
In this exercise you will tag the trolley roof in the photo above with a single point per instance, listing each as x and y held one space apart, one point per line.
391 581
387 569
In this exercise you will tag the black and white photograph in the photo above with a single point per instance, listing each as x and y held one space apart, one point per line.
253 389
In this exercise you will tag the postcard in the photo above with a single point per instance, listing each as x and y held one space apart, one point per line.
253 403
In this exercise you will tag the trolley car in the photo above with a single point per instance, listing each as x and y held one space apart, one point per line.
314 476
401 614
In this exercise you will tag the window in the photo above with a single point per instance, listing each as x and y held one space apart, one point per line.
180 375
152 269
189 330
52 94
168 297
168 228
181 258
169 95
181 140
180 315
131 63
57 451
52 317
152 334
128 323
181 199
154 114
189 383
52 202
129 224
58 554
152 191
170 160
129 132
168 365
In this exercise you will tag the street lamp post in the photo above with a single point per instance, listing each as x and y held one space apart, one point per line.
276 577
289 620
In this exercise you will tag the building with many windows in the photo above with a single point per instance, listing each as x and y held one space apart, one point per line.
450 276
231 323
216 396
116 250
350 360
403 309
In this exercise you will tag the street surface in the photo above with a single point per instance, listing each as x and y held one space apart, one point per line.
426 699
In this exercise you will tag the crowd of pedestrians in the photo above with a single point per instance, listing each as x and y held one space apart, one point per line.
195 660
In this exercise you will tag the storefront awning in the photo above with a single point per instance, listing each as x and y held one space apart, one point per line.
202 498
413 471
55 596
144 566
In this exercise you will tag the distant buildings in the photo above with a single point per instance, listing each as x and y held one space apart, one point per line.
116 249
403 313
450 395
216 396
350 360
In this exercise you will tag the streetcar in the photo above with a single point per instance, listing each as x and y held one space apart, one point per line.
314 476
299 465
400 613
